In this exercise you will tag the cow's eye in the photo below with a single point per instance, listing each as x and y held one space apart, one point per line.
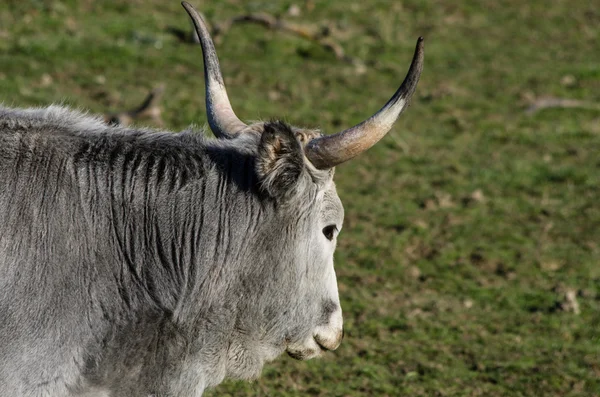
329 231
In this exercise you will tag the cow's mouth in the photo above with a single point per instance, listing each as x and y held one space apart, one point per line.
301 355
305 351
305 354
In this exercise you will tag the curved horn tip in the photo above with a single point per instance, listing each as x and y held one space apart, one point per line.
190 9
420 46
420 41
419 49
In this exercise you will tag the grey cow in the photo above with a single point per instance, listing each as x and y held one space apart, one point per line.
136 262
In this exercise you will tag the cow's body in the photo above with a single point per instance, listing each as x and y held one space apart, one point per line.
143 262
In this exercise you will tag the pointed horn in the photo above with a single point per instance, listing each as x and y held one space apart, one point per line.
328 151
222 120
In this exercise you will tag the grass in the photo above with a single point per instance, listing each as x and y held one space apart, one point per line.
467 227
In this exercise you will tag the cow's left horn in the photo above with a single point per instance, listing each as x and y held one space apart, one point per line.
221 118
329 151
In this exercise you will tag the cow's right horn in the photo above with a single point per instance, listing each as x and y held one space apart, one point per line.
328 151
222 120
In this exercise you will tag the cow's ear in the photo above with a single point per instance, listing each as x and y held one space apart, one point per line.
280 160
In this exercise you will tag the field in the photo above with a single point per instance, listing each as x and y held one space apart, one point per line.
469 262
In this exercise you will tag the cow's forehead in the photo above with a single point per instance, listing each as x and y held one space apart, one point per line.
303 134
332 208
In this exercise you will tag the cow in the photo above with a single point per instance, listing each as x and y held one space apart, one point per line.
138 262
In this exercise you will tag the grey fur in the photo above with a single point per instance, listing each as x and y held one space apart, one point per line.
136 262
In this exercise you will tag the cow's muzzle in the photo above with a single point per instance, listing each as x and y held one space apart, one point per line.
325 337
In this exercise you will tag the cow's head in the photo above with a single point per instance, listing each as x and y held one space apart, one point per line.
294 168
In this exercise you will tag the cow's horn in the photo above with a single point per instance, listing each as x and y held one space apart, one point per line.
221 118
329 151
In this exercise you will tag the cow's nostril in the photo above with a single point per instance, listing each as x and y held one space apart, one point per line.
320 343
329 343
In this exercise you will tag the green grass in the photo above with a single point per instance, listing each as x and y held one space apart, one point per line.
466 226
